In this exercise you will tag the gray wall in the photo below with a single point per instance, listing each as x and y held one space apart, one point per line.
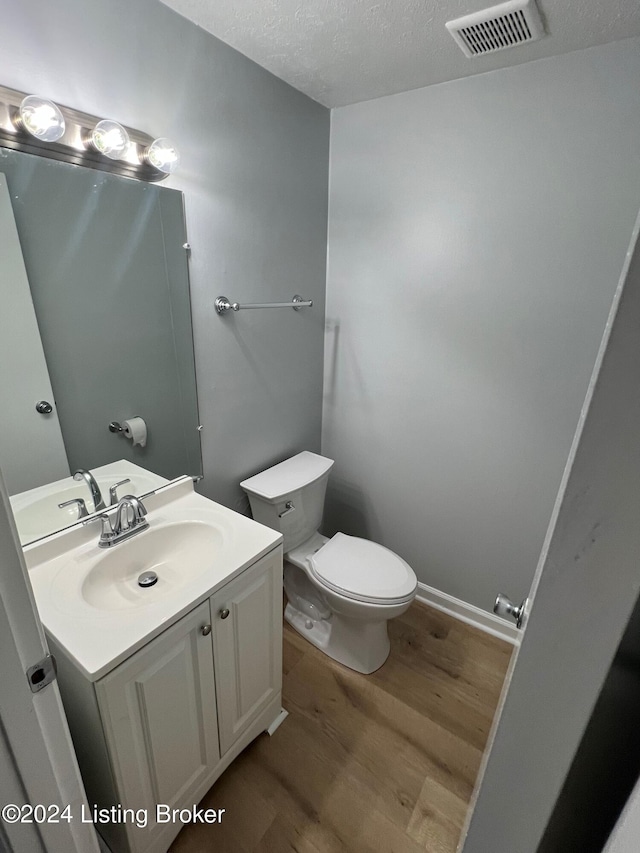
477 230
254 173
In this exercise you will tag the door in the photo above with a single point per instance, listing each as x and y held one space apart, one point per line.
584 591
247 645
37 761
31 447
159 714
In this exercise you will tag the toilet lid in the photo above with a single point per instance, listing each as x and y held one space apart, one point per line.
363 570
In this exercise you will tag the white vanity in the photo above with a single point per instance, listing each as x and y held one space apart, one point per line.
163 685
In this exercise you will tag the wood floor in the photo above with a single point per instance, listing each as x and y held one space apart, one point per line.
383 763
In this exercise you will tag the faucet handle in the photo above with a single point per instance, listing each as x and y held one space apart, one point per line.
106 532
83 512
113 490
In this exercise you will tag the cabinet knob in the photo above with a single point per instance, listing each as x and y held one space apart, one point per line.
206 630
224 613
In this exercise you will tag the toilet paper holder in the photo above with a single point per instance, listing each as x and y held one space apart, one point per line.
134 429
114 426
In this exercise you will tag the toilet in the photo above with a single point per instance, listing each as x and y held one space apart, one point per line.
341 591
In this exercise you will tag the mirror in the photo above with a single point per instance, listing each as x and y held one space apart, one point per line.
95 328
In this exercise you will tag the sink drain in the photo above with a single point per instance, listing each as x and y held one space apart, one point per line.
147 579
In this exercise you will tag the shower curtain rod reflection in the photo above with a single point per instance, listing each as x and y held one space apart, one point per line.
223 305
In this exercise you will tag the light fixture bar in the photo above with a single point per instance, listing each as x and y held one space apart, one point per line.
72 146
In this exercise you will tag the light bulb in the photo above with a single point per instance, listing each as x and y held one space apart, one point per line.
41 118
110 138
163 155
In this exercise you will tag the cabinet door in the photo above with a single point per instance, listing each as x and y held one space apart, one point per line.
247 645
159 714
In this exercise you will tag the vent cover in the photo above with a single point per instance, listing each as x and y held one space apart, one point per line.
507 25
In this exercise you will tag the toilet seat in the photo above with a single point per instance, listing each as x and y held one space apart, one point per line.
363 571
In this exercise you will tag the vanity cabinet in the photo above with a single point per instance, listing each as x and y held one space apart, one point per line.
164 724
247 650
158 710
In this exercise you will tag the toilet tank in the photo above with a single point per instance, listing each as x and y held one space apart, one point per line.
289 497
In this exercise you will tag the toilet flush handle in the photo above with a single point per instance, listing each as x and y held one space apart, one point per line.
288 507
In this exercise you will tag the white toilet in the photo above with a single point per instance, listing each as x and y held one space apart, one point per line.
348 587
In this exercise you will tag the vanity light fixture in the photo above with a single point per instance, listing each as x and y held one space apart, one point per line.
38 126
110 138
162 154
41 118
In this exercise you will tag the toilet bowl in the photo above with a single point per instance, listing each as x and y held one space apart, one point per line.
342 591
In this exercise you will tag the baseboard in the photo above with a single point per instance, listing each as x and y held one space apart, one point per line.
469 613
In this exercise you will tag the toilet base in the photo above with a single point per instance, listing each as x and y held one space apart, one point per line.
360 645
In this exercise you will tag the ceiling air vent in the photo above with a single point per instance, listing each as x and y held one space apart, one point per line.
506 25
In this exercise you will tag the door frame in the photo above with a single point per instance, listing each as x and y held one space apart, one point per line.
33 726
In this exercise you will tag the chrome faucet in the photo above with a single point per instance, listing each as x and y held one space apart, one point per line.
94 488
128 520
123 521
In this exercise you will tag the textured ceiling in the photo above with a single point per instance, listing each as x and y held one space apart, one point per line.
343 51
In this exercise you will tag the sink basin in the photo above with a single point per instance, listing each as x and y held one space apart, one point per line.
177 552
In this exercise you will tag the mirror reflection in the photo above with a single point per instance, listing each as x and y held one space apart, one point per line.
98 332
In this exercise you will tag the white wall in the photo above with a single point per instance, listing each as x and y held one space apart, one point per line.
477 230
254 174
